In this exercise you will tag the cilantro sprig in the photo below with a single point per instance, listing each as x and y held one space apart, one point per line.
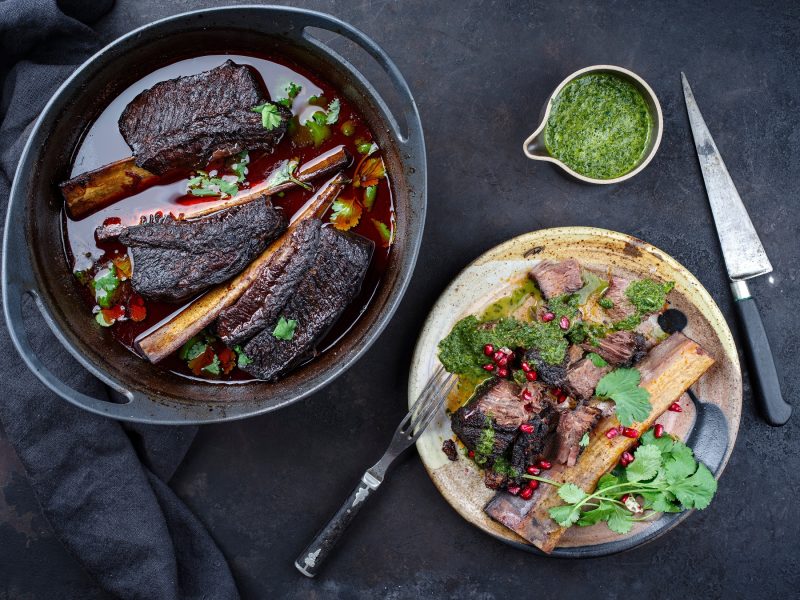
622 386
664 474
206 184
284 330
270 115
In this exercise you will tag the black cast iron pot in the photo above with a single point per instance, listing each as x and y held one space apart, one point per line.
34 261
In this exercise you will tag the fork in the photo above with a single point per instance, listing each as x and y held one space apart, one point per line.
410 429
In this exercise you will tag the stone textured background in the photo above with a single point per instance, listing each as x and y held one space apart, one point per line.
480 72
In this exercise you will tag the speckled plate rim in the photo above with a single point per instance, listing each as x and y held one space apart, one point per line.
453 304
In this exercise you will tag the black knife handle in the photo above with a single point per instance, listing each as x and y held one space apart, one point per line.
761 365
310 560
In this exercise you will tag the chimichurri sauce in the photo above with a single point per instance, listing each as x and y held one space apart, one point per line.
599 126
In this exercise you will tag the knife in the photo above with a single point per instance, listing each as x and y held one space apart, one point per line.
745 258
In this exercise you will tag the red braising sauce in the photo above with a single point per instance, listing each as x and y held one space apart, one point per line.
103 144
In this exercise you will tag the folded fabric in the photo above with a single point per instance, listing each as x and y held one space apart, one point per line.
101 485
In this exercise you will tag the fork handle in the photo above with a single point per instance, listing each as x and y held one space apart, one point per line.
310 560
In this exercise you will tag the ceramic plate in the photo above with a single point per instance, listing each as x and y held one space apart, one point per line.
501 269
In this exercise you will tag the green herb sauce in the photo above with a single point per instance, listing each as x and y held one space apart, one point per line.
599 126
647 295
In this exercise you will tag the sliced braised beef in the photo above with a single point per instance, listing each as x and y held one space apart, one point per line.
582 378
262 302
621 348
554 375
175 260
187 122
574 354
529 446
572 426
496 403
622 308
319 299
557 278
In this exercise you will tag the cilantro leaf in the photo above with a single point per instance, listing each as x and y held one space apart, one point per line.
345 213
608 480
291 90
104 284
584 440
565 515
571 493
270 115
203 184
620 520
597 360
213 367
695 491
601 513
680 462
387 235
664 443
284 330
239 167
333 112
242 360
632 401
647 461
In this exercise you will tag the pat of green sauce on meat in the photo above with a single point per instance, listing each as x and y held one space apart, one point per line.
648 296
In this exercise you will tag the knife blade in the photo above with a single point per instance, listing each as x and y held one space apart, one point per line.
744 257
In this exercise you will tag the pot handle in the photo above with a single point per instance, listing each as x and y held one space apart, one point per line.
17 282
410 112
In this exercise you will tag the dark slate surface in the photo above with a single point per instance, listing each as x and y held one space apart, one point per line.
480 74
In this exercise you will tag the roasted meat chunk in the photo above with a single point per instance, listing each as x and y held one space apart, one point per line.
320 298
186 122
554 375
262 302
495 404
174 260
582 378
622 307
621 348
557 278
572 425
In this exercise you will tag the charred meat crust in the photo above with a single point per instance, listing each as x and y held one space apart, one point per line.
554 375
175 260
319 299
557 278
187 122
261 303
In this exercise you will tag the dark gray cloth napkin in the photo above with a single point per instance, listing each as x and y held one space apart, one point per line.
101 485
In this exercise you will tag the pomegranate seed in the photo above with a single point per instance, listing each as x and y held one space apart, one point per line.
525 366
562 397
625 498
564 323
488 367
471 453
526 395
513 490
557 391
612 433
531 470
627 458
488 349
526 428
529 407
675 407
659 430
502 372
531 376
547 317
498 355
630 433
511 355
526 493
544 464
533 484
503 361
